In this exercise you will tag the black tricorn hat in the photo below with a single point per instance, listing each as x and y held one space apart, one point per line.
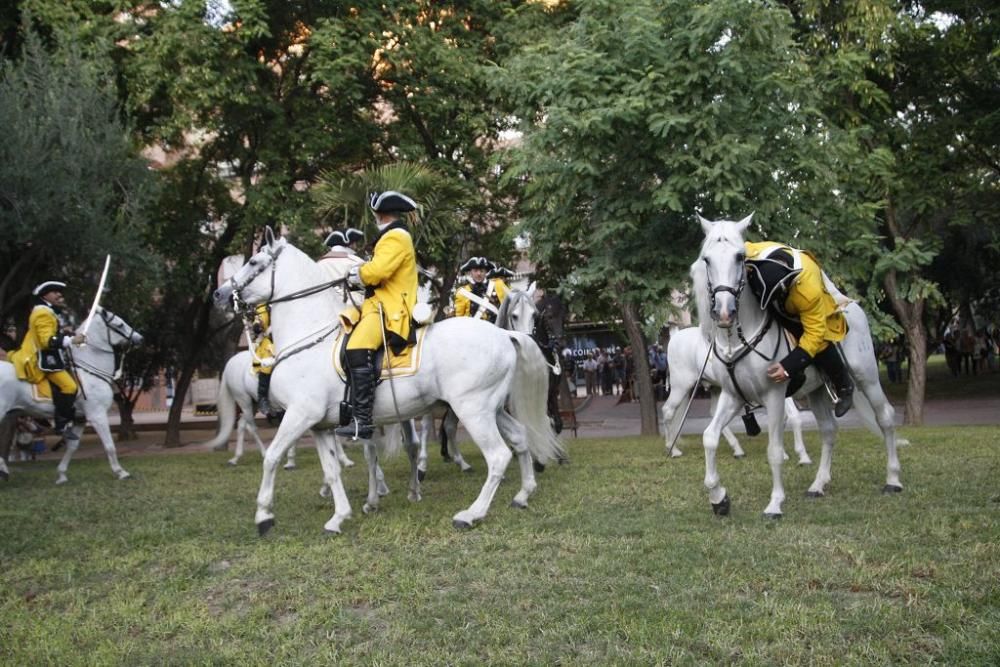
476 263
771 276
392 202
48 286
500 272
344 237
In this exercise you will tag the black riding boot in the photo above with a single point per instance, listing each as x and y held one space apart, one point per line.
263 389
361 364
831 362
65 405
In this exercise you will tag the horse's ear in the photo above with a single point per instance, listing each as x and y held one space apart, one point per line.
269 235
531 288
745 222
706 225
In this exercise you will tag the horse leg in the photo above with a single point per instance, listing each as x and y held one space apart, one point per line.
338 449
793 419
516 436
241 428
680 391
4 471
331 477
482 426
413 453
72 444
827 423
885 416
426 425
371 458
734 444
292 427
726 409
775 450
450 426
99 422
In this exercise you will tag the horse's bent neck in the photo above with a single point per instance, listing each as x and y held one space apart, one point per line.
295 318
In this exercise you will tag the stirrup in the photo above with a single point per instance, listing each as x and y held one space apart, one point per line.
843 404
355 431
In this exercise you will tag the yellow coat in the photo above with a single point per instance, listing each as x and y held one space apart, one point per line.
42 326
496 292
392 272
809 301
264 345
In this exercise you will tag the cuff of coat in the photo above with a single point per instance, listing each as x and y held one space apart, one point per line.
796 361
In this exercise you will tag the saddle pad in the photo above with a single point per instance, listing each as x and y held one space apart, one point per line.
42 391
402 365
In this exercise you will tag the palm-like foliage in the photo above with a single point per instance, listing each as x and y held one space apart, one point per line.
342 201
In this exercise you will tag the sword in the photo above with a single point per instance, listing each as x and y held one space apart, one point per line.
97 297
680 427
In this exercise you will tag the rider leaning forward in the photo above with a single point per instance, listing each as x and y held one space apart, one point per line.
41 355
791 283
390 283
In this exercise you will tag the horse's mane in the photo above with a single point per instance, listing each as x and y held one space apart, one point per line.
703 307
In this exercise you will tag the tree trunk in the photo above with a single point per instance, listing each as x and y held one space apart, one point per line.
173 434
647 401
911 315
126 424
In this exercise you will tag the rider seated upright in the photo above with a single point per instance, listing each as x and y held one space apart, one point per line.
790 283
482 288
390 284
41 355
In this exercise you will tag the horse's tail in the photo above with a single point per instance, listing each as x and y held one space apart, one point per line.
225 404
529 399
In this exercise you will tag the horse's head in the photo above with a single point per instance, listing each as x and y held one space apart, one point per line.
118 331
254 282
722 255
517 313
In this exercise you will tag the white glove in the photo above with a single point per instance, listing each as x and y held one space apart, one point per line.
354 279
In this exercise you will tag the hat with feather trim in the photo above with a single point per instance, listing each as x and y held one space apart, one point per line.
392 202
771 275
500 272
476 263
48 286
344 237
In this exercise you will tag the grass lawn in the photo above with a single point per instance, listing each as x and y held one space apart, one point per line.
619 560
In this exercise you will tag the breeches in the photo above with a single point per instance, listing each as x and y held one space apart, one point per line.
63 381
367 334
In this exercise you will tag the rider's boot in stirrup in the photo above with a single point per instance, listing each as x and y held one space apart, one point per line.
361 364
263 389
831 362
65 407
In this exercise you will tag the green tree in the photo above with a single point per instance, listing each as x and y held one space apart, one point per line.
71 183
643 113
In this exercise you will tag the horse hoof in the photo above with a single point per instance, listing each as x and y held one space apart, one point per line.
814 494
421 475
721 508
468 470
331 533
739 456
124 476
518 505
369 509
232 463
220 448
264 526
290 466
891 488
461 525
539 467
62 480
774 516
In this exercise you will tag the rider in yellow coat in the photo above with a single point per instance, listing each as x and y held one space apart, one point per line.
791 283
41 353
485 283
263 357
390 283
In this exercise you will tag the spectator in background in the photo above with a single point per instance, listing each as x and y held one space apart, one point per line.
967 347
590 373
658 364
952 355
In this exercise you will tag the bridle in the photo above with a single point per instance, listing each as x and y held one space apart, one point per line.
112 323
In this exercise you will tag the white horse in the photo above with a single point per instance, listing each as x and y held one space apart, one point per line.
466 363
517 313
753 344
686 353
238 388
95 368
